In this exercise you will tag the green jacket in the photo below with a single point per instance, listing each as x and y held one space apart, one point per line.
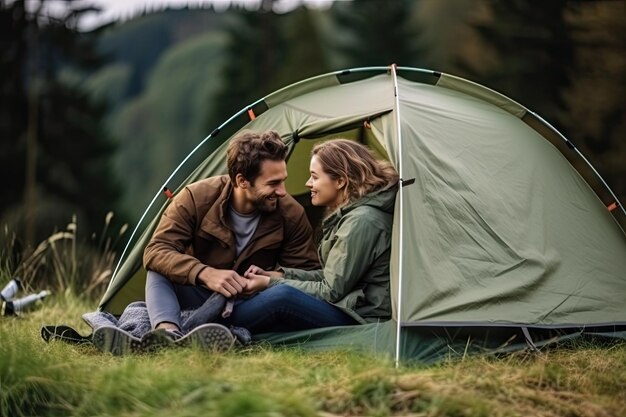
354 254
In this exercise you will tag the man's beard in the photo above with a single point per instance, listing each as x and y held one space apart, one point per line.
261 203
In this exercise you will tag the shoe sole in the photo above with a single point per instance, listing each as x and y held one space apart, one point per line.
117 342
211 337
156 340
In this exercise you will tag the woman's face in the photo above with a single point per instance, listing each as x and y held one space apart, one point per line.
325 191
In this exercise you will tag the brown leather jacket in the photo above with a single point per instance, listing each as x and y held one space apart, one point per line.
194 233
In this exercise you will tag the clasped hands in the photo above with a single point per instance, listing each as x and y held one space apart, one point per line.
229 283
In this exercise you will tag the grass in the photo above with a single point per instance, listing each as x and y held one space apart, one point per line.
63 262
57 379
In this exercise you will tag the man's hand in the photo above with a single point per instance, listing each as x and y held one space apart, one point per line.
260 271
224 281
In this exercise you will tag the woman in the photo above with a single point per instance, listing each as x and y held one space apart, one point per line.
353 284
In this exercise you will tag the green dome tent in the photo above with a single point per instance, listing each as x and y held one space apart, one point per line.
499 242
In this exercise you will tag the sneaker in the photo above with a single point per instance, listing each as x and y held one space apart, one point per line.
174 334
118 342
160 338
64 333
242 335
109 339
211 336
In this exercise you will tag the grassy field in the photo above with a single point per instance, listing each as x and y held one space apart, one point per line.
57 379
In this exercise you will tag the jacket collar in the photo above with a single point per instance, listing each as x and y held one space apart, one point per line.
382 199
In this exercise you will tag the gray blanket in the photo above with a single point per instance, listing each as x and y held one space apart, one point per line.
135 319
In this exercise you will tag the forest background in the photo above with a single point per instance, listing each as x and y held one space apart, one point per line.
94 122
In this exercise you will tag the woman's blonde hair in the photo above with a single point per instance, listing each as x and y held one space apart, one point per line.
357 165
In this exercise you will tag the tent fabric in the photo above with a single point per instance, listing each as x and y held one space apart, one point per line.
431 344
497 229
509 232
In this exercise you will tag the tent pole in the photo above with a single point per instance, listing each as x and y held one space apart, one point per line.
400 212
575 149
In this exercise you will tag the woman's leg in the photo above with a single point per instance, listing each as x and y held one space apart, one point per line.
165 299
283 308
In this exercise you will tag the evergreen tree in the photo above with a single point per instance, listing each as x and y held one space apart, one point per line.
254 54
595 102
535 52
55 152
266 51
13 103
304 56
375 33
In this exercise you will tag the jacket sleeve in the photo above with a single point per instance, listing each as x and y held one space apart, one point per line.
298 249
165 253
356 246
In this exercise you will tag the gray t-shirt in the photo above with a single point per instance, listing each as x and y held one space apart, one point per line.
244 226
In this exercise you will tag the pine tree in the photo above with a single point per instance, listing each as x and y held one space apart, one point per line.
595 102
375 33
254 54
534 47
304 55
55 152
266 51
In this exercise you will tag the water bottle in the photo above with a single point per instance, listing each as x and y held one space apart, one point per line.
9 290
16 307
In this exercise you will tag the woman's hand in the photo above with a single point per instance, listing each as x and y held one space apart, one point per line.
256 283
258 279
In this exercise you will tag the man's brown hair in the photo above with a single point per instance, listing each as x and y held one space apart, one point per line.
246 153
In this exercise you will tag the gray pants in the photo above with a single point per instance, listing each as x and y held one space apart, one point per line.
165 300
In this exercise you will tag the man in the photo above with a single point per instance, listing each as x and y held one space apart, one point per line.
216 228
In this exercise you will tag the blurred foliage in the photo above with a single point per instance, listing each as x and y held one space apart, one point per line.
566 61
171 77
535 53
378 33
265 52
532 54
140 43
595 103
64 262
56 152
255 51
167 120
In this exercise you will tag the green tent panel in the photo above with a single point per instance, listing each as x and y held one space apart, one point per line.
501 239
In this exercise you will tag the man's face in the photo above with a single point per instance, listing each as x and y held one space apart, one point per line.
269 186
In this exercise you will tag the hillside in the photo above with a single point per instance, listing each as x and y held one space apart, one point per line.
163 73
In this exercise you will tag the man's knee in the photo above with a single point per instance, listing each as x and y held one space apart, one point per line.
156 278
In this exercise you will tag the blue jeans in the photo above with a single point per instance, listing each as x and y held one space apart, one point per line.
282 309
277 309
